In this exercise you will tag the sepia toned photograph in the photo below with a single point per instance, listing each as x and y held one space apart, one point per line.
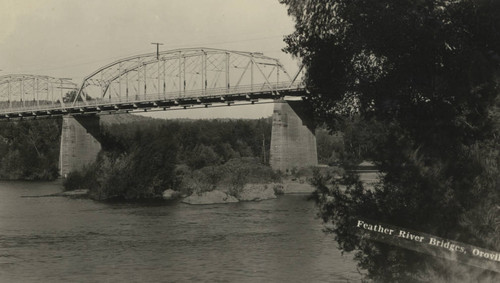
249 141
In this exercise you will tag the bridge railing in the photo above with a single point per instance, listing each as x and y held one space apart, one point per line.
192 94
224 93
33 106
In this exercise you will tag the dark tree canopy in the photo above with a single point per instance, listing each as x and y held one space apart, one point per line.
426 74
401 59
29 150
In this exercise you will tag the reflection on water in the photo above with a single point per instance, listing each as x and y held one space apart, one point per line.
60 239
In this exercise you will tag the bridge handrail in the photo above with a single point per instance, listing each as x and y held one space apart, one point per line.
190 94
151 97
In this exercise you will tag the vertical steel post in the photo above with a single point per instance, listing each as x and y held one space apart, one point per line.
35 87
251 74
180 78
102 88
52 94
184 73
158 87
120 80
48 92
203 72
62 104
145 79
138 85
164 80
126 84
277 74
227 72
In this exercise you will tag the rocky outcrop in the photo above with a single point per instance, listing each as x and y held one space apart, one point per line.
250 192
257 192
211 197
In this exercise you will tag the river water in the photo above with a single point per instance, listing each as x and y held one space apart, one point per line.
59 239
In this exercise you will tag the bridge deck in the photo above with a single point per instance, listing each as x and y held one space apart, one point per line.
251 93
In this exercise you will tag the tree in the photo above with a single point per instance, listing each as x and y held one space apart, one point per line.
427 71
70 96
30 149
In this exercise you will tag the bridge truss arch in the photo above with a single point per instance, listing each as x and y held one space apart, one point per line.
183 73
25 91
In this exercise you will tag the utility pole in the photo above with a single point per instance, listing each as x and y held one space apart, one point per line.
157 49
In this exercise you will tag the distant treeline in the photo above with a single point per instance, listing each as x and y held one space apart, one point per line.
29 150
198 143
142 157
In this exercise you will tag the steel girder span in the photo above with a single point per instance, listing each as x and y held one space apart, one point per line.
22 91
182 73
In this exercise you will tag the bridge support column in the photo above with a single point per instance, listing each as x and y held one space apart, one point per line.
293 142
79 145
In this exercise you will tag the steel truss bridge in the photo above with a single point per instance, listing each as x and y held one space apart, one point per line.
169 79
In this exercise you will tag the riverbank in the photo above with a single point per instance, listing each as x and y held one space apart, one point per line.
249 192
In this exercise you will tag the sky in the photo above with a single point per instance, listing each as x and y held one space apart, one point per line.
73 38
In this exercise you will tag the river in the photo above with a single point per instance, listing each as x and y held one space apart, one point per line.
59 239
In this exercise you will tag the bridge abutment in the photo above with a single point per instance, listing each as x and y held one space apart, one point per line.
79 145
293 142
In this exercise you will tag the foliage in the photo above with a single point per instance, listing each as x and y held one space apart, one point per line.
412 84
141 159
143 171
72 96
29 149
330 146
231 176
201 142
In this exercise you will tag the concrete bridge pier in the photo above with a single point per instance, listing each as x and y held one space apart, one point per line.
79 145
293 141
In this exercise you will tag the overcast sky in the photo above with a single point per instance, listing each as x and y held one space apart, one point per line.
72 38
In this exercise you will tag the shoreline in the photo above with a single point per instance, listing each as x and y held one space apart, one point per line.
251 192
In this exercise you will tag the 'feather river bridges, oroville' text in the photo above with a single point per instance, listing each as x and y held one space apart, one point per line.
430 244
408 235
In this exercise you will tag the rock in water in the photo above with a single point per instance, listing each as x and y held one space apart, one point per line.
170 194
257 192
298 188
209 198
